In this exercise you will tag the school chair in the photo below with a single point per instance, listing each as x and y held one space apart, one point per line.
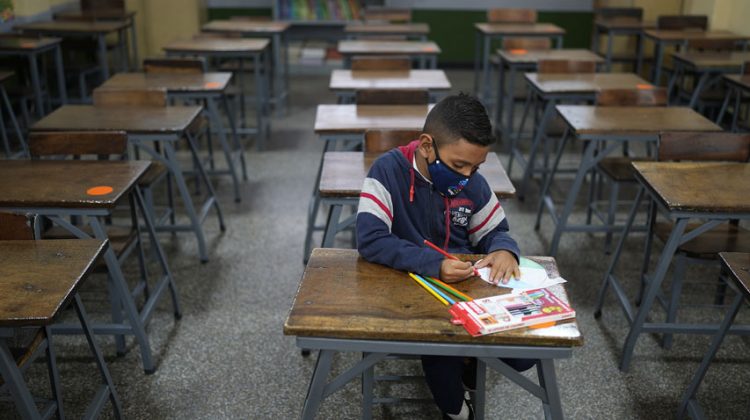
682 22
617 170
533 106
391 97
381 141
704 249
28 344
386 15
380 63
511 16
683 82
124 239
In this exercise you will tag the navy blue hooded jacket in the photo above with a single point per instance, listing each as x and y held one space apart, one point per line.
398 209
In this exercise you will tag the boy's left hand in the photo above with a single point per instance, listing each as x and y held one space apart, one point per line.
504 266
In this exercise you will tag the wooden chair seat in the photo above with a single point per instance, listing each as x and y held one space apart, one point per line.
120 238
154 173
725 237
618 168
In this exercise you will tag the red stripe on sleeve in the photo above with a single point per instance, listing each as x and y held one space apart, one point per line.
379 203
484 222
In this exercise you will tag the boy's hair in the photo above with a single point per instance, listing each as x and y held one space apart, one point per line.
459 116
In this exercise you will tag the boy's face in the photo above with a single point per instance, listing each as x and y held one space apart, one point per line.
461 156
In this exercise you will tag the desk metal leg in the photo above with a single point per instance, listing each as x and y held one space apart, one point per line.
60 73
658 61
545 197
528 173
499 106
108 384
312 211
36 84
134 44
235 137
548 381
638 53
477 58
688 404
334 215
699 88
480 396
229 151
317 384
261 138
652 289
102 52
54 373
17 386
485 68
610 48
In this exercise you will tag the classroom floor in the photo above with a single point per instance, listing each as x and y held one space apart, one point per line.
227 356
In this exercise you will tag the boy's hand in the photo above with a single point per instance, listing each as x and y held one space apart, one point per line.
504 266
452 271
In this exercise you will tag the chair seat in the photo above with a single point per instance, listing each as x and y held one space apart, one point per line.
155 171
120 238
723 238
618 168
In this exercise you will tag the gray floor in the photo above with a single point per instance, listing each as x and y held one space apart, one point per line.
227 356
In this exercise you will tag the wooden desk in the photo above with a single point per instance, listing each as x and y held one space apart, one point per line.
82 29
346 82
708 67
487 32
663 37
549 90
161 126
737 265
277 31
208 88
621 26
256 50
343 174
416 30
342 305
427 51
718 192
514 61
38 279
108 15
59 190
737 85
610 126
32 48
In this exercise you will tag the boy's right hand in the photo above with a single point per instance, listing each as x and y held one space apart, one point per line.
452 271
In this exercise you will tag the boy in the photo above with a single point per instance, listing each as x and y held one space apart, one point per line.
429 189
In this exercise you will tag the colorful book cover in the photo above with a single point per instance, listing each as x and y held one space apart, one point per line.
506 312
354 7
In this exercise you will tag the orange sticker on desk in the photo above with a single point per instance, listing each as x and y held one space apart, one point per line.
428 49
644 86
99 190
212 85
27 45
518 51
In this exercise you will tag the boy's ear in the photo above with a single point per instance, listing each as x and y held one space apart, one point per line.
425 145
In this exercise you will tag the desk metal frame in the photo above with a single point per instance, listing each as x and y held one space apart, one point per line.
35 72
135 321
652 283
611 33
487 355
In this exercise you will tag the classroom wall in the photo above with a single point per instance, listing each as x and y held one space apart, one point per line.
731 15
162 21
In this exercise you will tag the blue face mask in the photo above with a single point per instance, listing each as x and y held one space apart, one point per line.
447 181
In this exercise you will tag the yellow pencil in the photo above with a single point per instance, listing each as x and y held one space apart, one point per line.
430 291
450 289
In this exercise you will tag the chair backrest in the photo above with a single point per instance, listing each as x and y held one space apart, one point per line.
174 65
252 18
746 68
217 35
520 43
93 5
652 96
130 97
392 97
704 146
392 62
381 141
566 66
16 227
511 16
100 143
679 22
712 44
386 14
613 12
